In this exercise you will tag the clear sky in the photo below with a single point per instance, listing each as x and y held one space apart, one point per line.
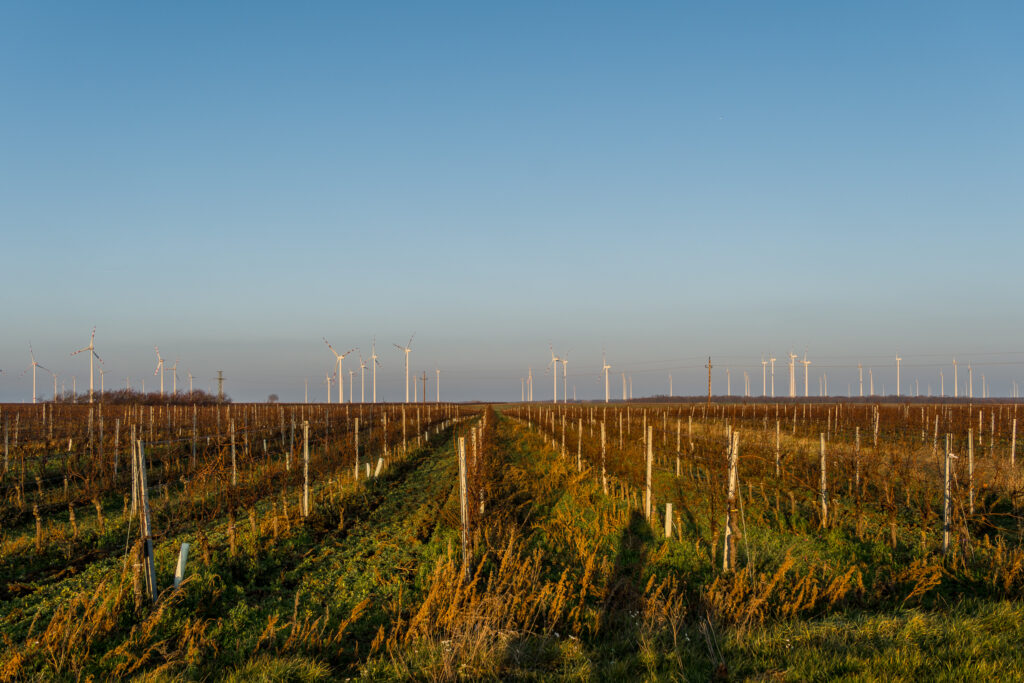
234 181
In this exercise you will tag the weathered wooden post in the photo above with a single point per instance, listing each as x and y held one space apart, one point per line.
604 479
778 450
234 464
668 520
144 519
464 507
579 447
305 468
729 531
1013 444
824 484
356 438
947 506
970 471
648 502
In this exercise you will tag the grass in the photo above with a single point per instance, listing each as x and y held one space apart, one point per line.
566 582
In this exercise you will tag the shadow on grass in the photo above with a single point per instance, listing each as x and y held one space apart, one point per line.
623 606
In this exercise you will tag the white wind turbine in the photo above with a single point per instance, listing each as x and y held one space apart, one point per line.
159 369
792 374
406 350
362 379
806 364
898 361
437 384
91 348
189 373
35 365
565 375
341 375
174 377
771 359
373 366
553 365
764 376
605 368
102 373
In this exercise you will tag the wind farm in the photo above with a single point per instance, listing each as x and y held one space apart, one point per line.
578 232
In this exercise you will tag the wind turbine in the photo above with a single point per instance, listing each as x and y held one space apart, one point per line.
406 349
174 377
554 370
956 380
764 376
159 369
437 384
362 379
529 384
806 364
605 368
565 373
341 375
898 360
860 372
771 359
373 366
35 365
351 381
327 380
792 374
102 373
189 373
91 348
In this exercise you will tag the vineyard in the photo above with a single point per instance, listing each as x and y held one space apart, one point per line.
439 541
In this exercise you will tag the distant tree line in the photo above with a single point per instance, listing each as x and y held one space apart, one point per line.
197 397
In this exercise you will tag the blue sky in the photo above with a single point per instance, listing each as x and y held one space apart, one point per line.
670 181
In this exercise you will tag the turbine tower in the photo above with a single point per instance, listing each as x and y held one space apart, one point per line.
340 373
35 365
406 349
860 373
764 376
792 374
806 364
159 369
554 370
565 375
373 366
956 380
91 348
771 359
898 360
362 379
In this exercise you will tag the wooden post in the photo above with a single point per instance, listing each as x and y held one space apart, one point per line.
357 448
824 484
144 520
305 468
648 502
464 507
947 506
729 548
970 471
604 479
1013 445
234 464
856 459
778 452
668 520
579 447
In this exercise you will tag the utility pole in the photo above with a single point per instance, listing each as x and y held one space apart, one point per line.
220 386
708 366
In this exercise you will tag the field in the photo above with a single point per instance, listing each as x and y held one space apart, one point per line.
762 541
